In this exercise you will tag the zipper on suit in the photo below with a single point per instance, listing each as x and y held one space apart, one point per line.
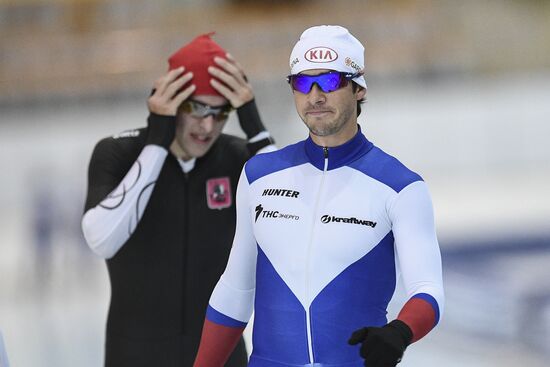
185 244
308 261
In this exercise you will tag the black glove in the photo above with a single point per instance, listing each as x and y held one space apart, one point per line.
383 346
161 130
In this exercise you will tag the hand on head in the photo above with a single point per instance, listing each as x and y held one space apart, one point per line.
229 80
215 72
168 93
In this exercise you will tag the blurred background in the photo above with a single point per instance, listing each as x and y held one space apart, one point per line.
458 90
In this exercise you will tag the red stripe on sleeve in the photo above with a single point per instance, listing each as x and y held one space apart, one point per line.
419 315
217 343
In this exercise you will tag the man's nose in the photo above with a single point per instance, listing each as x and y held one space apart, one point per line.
207 123
316 95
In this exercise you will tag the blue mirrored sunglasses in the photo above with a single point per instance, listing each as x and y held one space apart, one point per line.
327 82
201 110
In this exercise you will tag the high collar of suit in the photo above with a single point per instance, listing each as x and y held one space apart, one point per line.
340 155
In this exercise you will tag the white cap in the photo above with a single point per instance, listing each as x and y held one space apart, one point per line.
328 47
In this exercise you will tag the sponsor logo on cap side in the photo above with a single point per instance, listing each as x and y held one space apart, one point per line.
321 54
352 64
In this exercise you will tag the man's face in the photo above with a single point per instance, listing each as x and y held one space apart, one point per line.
195 135
328 114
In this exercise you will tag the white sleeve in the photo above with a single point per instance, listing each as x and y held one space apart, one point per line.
417 249
3 354
233 296
108 225
261 136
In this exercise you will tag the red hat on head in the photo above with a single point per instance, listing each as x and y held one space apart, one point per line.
197 56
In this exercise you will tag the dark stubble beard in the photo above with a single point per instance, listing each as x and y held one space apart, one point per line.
331 127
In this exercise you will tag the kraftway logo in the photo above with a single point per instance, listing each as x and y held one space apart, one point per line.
331 218
273 214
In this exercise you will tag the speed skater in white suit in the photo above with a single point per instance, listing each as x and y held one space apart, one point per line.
325 228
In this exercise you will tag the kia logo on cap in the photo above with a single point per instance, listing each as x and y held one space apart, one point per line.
321 54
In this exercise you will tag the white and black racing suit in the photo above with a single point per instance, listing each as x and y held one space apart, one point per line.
165 228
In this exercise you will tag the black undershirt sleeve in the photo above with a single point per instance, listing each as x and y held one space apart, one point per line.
249 119
251 123
161 130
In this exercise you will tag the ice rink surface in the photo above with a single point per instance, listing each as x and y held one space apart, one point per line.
481 144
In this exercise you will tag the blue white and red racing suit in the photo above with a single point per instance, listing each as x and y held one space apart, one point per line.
322 236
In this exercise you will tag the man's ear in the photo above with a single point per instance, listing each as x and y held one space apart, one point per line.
360 93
